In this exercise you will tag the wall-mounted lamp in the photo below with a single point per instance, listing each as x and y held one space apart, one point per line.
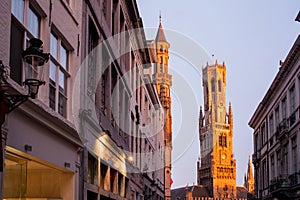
130 158
34 59
67 165
27 148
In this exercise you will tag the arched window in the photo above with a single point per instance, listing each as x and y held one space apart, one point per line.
213 85
220 85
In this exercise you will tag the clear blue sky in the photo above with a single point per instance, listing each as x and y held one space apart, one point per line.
250 36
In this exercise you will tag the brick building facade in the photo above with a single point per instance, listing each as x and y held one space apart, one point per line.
97 128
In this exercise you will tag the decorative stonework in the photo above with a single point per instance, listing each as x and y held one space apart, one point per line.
217 166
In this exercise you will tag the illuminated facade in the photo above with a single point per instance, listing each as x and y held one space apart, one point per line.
163 82
121 110
249 178
217 166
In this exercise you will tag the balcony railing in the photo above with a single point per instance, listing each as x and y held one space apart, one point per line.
282 128
279 183
294 179
287 123
285 182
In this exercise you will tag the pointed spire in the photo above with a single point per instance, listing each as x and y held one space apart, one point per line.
245 181
216 62
250 173
160 36
160 16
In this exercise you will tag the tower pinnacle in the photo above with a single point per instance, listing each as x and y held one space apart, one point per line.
249 180
160 16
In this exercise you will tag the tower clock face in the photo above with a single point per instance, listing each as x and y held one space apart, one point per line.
223 156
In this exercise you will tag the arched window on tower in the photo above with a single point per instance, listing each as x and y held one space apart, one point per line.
220 85
213 85
161 48
222 140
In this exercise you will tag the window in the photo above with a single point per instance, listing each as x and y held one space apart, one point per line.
292 99
212 84
17 9
278 164
161 48
272 167
263 134
256 142
223 140
93 40
21 32
271 125
220 85
33 23
58 74
294 154
264 174
92 176
283 108
285 159
277 116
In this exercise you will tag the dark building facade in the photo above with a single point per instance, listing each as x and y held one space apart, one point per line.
276 125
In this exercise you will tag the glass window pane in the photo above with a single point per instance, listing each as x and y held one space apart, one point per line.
63 57
61 104
61 81
17 8
52 71
53 46
33 23
52 97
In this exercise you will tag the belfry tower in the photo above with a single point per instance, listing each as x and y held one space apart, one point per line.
163 82
216 166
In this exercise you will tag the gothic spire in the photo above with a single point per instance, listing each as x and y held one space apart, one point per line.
249 173
160 36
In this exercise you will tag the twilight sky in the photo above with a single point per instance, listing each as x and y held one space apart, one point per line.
249 36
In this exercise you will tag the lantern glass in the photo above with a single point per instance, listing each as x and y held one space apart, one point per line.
34 71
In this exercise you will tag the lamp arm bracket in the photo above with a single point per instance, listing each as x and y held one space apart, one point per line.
15 100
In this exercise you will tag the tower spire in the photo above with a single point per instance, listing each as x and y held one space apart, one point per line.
250 180
159 16
250 173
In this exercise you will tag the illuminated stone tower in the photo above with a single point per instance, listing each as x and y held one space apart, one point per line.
163 82
216 166
249 180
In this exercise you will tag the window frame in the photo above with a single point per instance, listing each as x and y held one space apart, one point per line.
23 27
60 90
292 98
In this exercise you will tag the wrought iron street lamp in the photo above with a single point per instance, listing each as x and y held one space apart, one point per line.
34 60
